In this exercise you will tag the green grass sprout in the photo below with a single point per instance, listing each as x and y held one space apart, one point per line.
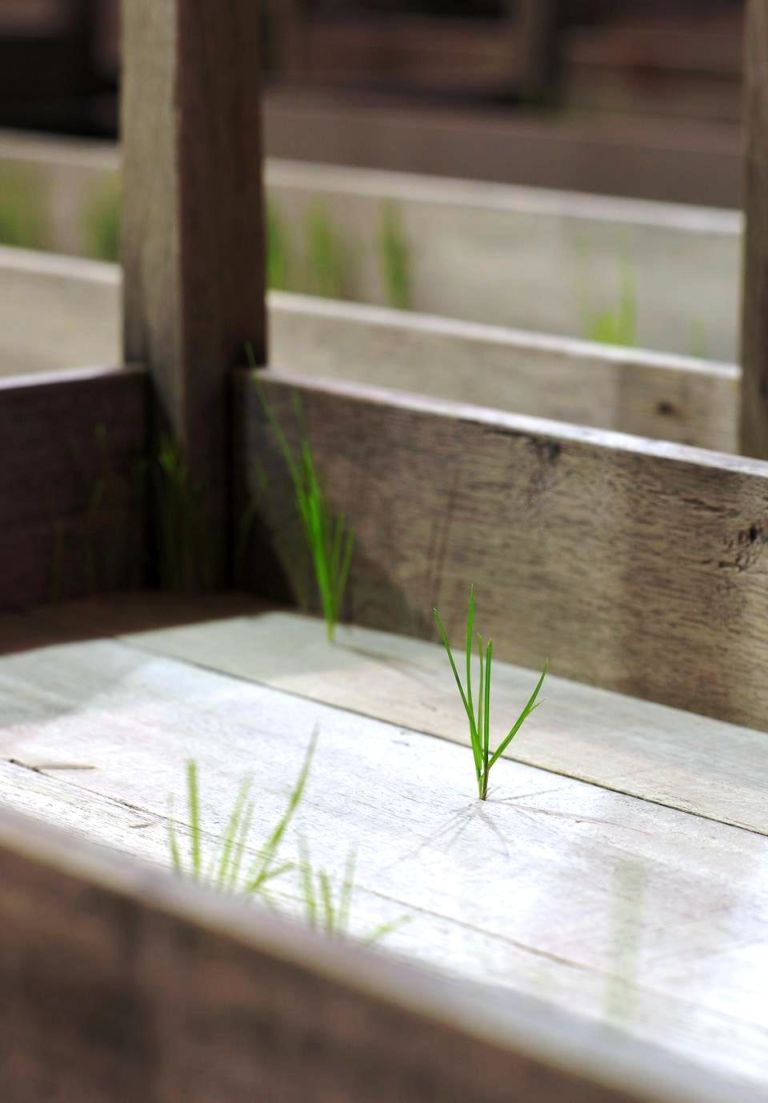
23 217
617 326
330 911
479 713
329 537
225 869
101 222
395 258
184 547
326 253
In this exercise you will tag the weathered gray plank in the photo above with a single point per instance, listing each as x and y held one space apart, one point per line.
193 241
554 888
200 999
649 751
71 501
650 394
754 391
636 566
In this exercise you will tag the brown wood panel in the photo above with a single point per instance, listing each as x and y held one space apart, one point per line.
72 449
121 984
635 565
754 389
610 155
193 243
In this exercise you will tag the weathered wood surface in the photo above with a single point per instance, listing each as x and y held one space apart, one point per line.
649 394
313 1019
635 565
534 260
500 255
71 505
57 312
644 921
632 746
193 239
754 393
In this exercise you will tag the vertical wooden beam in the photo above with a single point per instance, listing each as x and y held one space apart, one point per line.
193 236
754 386
540 26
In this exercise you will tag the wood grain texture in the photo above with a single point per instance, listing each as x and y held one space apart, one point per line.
150 989
650 394
650 751
71 507
754 391
193 254
58 312
643 922
636 566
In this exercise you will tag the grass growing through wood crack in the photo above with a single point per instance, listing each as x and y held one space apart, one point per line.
479 715
329 537
225 869
395 257
184 553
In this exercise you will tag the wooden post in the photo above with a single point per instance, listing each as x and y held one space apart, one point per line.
193 236
754 386
540 37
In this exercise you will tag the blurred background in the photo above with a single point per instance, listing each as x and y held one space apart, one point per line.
60 63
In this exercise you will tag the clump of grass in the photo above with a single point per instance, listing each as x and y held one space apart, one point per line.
101 222
326 253
329 911
225 869
23 220
329 537
183 541
479 715
279 261
395 258
618 325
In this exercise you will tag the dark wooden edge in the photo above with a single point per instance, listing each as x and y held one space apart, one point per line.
123 983
636 565
72 470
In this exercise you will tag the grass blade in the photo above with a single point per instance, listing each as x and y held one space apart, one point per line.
530 706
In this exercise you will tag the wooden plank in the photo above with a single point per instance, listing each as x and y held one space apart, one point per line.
71 509
650 158
636 566
754 391
570 258
631 746
590 908
520 257
193 234
642 392
216 1000
56 312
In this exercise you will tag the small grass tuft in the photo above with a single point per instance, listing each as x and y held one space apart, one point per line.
479 715
617 326
395 258
225 869
330 911
279 259
329 537
327 256
102 220
184 546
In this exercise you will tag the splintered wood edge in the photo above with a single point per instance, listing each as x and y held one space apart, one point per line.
444 1027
